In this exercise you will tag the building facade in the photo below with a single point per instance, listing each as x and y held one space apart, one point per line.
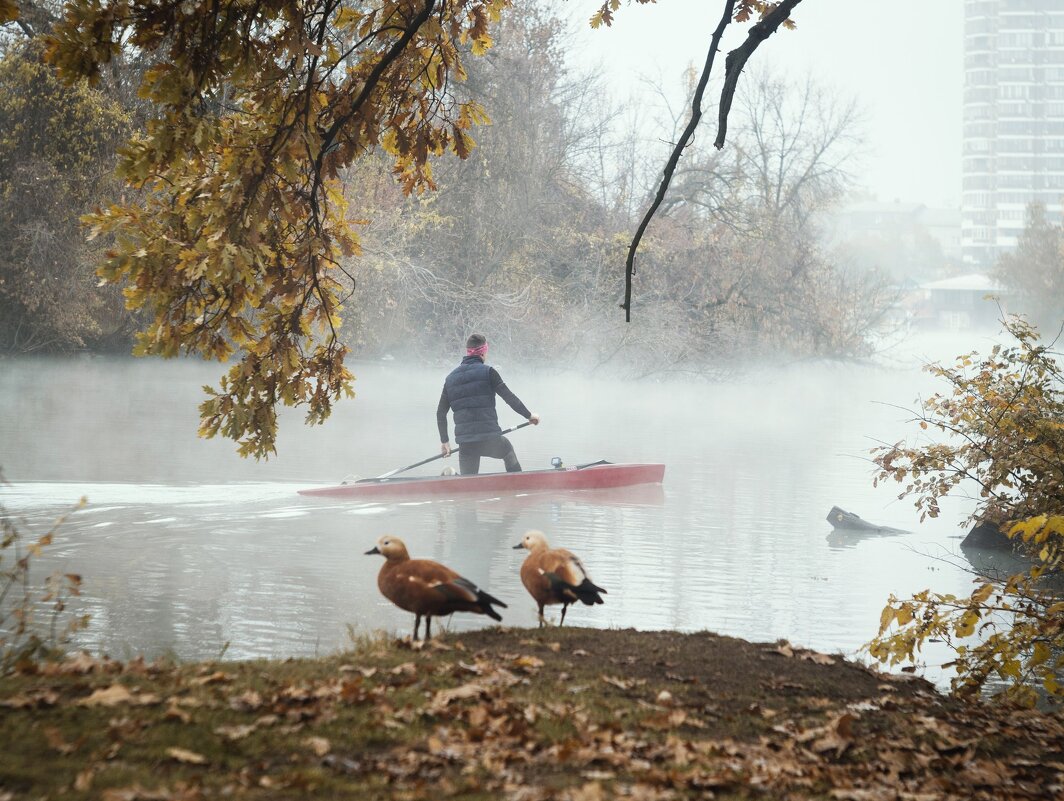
1013 141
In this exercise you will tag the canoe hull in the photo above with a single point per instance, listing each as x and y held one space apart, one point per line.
595 477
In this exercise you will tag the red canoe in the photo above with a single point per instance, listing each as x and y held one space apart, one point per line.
597 476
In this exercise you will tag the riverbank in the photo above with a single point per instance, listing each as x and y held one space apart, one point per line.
574 714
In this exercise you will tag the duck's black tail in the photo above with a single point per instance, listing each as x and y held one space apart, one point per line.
589 593
486 601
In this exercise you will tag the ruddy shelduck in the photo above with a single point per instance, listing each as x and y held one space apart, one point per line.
555 576
427 588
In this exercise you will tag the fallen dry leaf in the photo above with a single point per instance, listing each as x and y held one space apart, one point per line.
136 793
186 756
31 700
234 733
478 716
57 742
817 658
78 663
443 697
109 696
217 677
118 694
83 781
865 794
599 775
246 702
665 720
836 736
174 712
623 684
591 791
319 745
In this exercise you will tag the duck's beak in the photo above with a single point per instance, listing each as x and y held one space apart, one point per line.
373 550
519 546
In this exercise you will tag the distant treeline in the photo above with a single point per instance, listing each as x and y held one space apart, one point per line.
524 240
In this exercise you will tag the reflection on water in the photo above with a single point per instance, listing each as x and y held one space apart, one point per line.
185 547
852 538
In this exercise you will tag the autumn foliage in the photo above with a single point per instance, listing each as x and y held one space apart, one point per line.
234 238
1001 437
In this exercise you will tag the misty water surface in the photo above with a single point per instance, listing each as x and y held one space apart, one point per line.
186 548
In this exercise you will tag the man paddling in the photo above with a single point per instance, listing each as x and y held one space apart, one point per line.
470 390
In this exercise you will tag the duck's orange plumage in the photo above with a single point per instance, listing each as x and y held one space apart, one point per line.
555 576
427 588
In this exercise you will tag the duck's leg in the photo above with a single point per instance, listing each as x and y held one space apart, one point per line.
428 627
417 625
542 622
565 607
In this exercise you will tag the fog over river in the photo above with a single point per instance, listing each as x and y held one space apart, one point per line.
185 547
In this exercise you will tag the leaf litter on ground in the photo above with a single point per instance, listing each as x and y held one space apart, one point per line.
492 714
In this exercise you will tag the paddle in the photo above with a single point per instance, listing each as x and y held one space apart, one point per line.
430 459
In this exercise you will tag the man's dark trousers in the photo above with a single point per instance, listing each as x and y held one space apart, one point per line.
469 454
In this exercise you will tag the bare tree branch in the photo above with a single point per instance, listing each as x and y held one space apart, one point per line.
670 166
733 66
738 57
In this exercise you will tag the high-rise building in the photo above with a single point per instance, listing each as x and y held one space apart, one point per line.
1013 120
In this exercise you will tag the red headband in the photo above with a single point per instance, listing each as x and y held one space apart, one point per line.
480 351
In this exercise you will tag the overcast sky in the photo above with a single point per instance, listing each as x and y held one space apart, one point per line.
902 60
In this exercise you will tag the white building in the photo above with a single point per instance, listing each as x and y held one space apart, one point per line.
1013 150
961 302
